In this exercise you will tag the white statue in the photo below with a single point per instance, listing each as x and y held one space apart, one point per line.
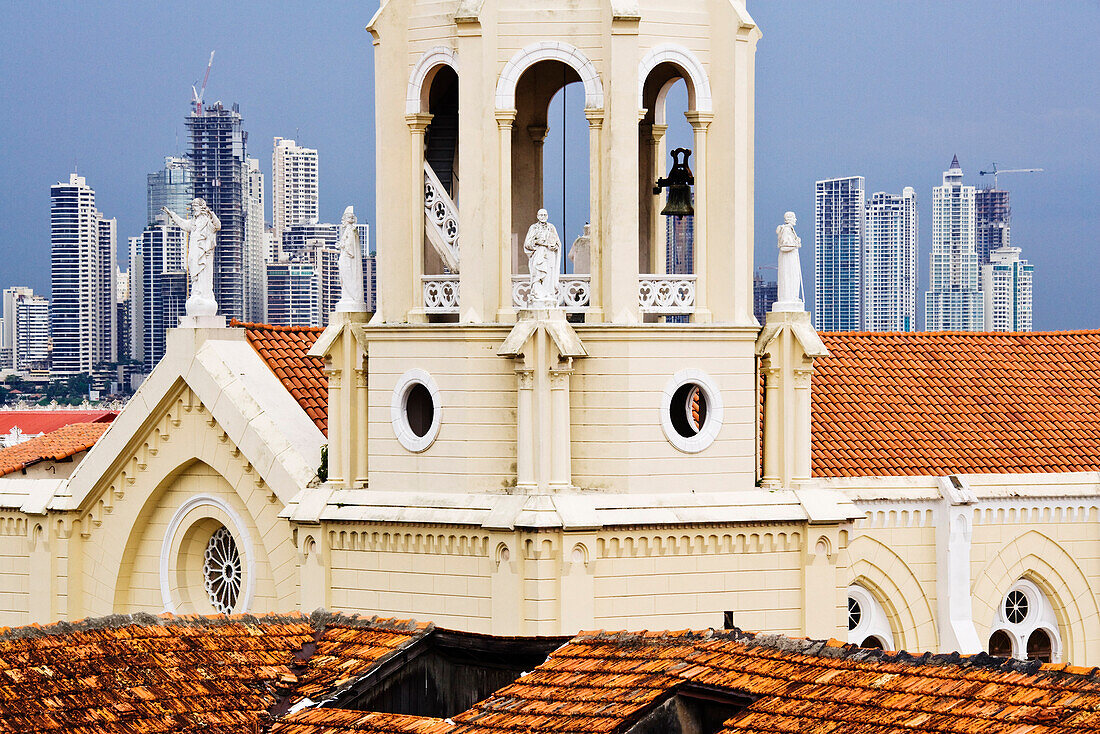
580 254
542 247
202 229
351 265
789 296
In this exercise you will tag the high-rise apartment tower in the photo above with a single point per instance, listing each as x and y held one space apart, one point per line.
954 299
838 249
890 262
171 186
1006 287
293 185
992 220
82 273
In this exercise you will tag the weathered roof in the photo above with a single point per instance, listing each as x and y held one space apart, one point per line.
180 674
33 422
55 446
606 682
145 673
284 349
898 404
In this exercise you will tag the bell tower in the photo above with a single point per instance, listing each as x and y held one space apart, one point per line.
463 88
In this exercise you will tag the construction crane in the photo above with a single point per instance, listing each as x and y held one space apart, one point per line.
997 171
196 96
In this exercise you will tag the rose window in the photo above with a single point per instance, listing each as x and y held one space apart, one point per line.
1016 607
221 570
855 613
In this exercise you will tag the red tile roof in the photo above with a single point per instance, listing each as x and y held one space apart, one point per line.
56 446
284 350
891 404
44 421
603 683
243 674
171 674
343 721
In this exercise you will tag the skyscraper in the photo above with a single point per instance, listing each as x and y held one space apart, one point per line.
992 219
171 186
82 271
838 248
255 242
293 185
219 168
954 301
163 288
1006 287
25 336
293 294
764 294
890 262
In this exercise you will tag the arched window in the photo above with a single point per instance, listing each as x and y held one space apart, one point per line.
1024 625
868 624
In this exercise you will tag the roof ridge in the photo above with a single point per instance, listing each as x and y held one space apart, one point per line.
836 649
275 327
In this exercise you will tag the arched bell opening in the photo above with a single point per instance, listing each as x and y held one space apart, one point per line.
666 244
550 167
440 249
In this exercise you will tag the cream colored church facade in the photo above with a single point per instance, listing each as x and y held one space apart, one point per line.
497 468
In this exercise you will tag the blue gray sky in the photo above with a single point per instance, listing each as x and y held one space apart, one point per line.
881 89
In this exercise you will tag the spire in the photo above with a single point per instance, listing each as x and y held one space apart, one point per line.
955 162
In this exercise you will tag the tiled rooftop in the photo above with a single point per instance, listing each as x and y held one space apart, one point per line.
944 403
284 349
33 422
252 674
56 446
162 674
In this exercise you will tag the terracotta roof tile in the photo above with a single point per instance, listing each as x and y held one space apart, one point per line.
180 674
898 404
284 349
339 721
56 446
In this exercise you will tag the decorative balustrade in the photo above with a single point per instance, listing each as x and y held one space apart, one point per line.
666 294
440 219
440 293
574 292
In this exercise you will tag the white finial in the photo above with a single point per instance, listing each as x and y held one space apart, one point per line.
789 296
351 266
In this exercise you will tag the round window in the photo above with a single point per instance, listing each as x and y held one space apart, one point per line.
221 570
1016 606
855 613
691 411
415 410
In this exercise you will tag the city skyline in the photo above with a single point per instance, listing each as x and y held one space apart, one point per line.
805 129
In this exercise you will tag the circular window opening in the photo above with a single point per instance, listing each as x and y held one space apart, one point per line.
419 409
1000 644
691 411
688 410
855 613
221 570
1039 646
1016 606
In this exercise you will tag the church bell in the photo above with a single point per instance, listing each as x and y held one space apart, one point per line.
679 183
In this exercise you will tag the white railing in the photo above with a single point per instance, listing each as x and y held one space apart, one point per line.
666 294
440 219
574 292
440 293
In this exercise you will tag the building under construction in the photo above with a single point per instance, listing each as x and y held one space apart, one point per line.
992 217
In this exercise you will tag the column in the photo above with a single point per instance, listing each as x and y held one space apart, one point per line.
505 118
418 124
773 424
561 468
802 430
525 433
597 308
337 458
700 122
658 261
